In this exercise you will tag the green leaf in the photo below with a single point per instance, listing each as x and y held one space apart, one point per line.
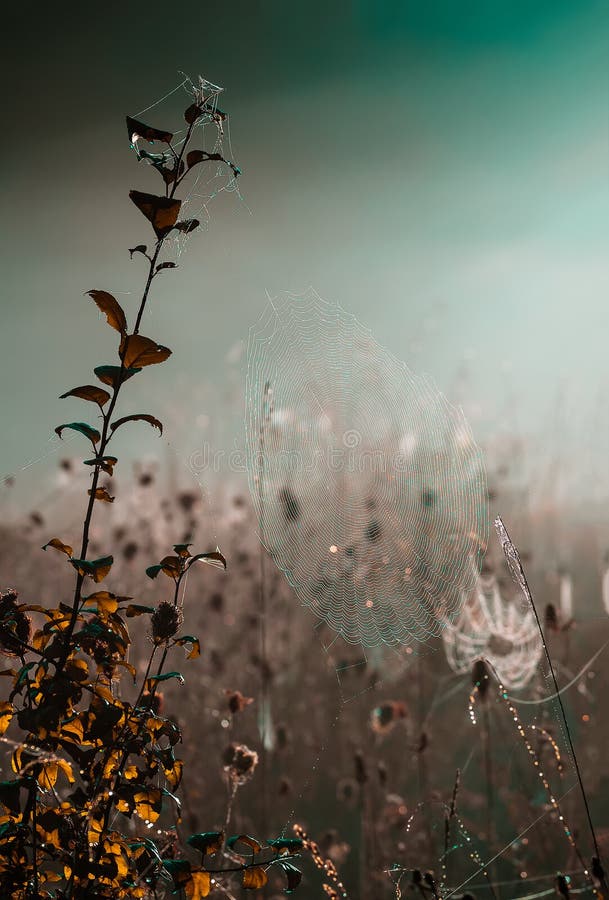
97 569
291 844
179 869
139 417
88 392
157 678
206 841
83 428
113 375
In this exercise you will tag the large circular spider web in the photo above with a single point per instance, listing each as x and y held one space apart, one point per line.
369 489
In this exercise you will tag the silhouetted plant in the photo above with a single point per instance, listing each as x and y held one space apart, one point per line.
94 772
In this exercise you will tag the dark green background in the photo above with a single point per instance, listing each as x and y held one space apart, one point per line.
439 169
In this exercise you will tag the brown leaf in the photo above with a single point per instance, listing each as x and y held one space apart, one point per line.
140 417
88 392
187 225
102 494
137 351
193 113
138 129
161 212
112 309
106 463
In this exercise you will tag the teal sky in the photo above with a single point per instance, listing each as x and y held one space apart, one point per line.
439 169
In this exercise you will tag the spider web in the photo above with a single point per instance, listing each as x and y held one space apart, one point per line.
211 133
358 470
368 486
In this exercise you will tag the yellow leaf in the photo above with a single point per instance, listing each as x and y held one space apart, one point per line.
94 831
66 768
105 693
174 774
53 876
6 714
255 877
73 731
77 670
40 640
199 885
59 545
49 837
104 601
47 777
148 804
111 765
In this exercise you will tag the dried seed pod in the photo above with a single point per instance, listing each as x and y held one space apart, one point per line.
239 763
165 622
15 625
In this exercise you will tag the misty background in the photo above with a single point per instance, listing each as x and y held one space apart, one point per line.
438 169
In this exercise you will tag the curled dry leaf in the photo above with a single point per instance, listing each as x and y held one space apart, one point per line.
111 308
137 129
88 392
102 494
215 559
106 463
59 545
139 417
